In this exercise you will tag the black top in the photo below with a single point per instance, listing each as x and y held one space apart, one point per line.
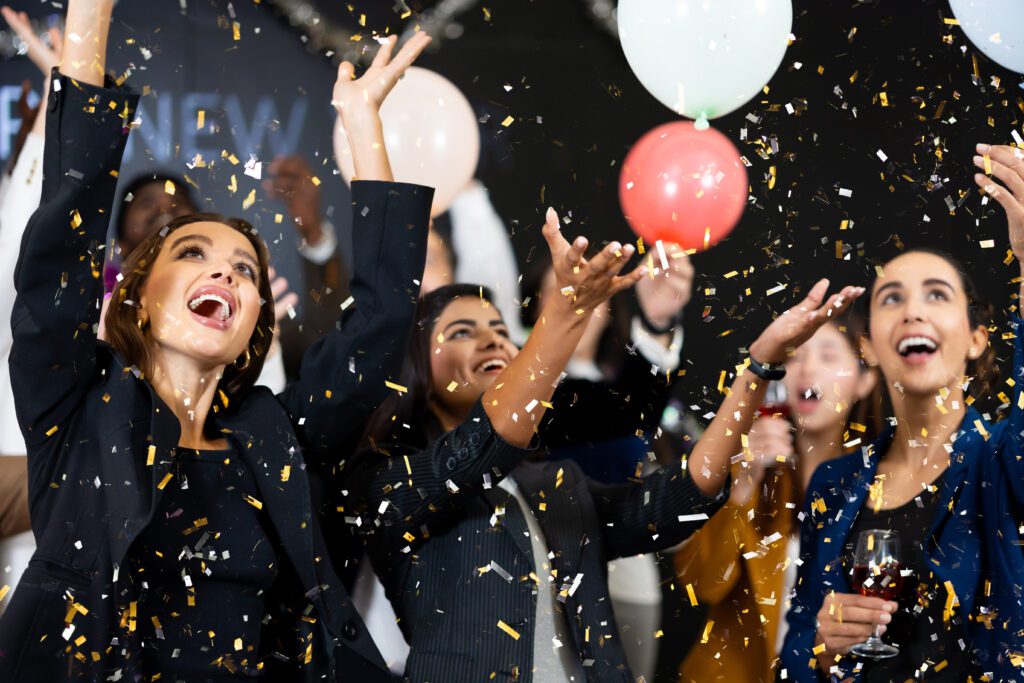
929 645
205 563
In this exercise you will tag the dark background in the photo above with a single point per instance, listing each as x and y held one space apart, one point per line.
577 110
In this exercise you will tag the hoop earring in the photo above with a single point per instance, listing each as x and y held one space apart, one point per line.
245 365
142 321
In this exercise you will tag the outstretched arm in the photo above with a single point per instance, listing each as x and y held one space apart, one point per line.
709 462
58 292
1007 164
85 41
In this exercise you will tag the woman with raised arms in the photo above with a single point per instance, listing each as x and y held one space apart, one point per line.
496 567
946 483
170 499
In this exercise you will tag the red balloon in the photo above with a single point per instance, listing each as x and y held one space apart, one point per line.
683 185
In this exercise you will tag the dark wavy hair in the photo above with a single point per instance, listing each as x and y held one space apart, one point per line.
406 417
985 369
124 333
181 188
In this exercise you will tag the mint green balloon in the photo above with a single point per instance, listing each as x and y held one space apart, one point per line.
704 58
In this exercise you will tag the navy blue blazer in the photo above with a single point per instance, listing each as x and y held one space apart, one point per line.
974 546
100 440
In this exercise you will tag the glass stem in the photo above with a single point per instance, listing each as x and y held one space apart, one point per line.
878 632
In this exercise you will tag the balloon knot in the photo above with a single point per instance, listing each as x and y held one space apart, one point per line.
702 122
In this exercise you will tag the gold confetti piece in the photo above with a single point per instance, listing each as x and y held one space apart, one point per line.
238 644
397 387
51 430
408 467
947 611
453 385
707 630
169 187
883 98
76 219
278 218
508 629
316 181
4 591
236 31
233 185
558 477
408 537
286 472
950 21
818 649
250 200
255 503
200 119
327 394
167 478
693 596
150 455
508 121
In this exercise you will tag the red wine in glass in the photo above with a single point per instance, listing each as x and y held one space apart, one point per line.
883 581
774 404
876 573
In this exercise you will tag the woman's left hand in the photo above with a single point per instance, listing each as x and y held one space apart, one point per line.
1006 164
354 96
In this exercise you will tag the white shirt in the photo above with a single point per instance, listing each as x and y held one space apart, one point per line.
554 655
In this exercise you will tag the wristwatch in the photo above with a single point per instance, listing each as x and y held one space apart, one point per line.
768 371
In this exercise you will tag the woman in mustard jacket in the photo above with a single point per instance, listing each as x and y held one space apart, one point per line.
741 563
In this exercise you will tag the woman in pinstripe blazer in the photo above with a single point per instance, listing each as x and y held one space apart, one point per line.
504 578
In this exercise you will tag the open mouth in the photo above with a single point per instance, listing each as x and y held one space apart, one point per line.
491 366
917 349
807 400
212 306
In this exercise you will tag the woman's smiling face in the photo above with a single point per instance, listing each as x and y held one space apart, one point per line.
470 347
202 295
920 333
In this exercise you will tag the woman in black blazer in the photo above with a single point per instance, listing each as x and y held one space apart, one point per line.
496 568
169 497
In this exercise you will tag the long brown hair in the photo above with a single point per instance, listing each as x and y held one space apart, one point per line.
128 336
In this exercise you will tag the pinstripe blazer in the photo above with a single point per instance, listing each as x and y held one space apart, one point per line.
432 541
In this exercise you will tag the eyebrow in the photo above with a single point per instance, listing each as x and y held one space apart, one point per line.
472 323
930 282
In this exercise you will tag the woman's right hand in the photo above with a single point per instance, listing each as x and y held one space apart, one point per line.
846 619
364 95
798 324
586 284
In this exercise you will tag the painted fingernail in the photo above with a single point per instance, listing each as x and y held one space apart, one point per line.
885 617
615 246
982 148
979 161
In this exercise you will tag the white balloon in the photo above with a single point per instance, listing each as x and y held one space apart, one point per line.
430 133
704 57
996 27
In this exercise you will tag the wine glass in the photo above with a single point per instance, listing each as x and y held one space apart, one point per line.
774 404
876 574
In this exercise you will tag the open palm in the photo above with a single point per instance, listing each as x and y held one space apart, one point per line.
369 90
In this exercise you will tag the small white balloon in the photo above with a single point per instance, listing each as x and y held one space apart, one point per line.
431 135
996 27
704 58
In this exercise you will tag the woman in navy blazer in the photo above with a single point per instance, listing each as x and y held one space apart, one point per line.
949 482
119 589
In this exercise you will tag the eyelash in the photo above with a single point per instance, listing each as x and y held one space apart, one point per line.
462 331
187 249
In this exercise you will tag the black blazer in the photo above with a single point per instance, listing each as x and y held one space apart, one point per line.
100 440
433 519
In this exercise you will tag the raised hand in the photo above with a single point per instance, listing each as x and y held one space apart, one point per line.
44 56
283 297
291 181
798 324
664 295
358 103
1007 165
367 93
585 284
